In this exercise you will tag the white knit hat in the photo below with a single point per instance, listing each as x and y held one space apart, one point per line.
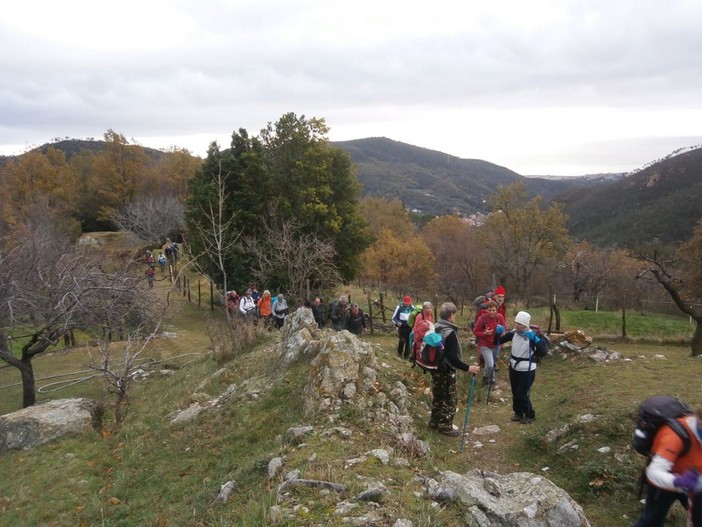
523 318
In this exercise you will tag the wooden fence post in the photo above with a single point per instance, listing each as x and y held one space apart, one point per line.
382 308
370 313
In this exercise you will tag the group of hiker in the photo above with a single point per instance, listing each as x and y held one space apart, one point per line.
169 248
675 457
417 330
254 307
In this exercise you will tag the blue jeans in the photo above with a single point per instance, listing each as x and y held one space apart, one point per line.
490 357
658 503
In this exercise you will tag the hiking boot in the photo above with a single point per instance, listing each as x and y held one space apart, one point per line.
527 420
450 433
516 418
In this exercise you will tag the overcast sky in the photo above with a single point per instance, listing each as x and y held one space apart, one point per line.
542 87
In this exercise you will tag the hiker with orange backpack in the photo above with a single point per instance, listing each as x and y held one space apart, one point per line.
674 475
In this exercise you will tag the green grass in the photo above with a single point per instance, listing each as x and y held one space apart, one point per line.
152 473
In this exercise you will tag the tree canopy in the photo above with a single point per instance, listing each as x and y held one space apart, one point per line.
289 172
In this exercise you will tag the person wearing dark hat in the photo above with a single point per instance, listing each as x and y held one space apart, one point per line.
401 320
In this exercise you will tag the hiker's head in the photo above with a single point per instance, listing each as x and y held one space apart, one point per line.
500 294
407 300
343 299
448 311
522 320
427 307
266 293
316 302
354 308
491 308
281 297
248 292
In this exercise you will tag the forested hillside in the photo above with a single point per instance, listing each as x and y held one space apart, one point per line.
660 202
433 182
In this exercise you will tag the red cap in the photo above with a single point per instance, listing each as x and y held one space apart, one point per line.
499 290
407 299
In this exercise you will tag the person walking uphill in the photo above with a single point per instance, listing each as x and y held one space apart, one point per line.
401 320
526 348
485 330
673 475
443 382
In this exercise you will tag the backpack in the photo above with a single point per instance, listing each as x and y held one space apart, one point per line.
331 309
430 355
413 316
540 354
655 412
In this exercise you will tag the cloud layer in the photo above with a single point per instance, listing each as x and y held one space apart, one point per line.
560 87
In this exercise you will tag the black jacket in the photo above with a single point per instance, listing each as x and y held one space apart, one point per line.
453 359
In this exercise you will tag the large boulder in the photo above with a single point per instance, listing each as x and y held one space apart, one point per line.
344 371
300 336
520 499
39 424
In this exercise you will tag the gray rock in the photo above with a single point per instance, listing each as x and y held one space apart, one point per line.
300 336
297 433
274 465
380 454
524 500
375 494
343 372
293 474
225 491
185 416
41 423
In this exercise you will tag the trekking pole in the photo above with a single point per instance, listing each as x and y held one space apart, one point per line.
470 403
690 498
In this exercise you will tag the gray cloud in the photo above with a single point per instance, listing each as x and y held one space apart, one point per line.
179 69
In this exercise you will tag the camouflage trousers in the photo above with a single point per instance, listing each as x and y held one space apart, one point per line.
445 400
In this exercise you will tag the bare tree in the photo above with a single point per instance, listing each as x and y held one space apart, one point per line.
120 374
292 258
214 232
152 219
671 273
50 287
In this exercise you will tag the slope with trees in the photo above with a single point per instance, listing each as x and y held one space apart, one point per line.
287 175
659 202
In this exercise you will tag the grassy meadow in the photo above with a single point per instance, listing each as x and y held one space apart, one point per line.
152 473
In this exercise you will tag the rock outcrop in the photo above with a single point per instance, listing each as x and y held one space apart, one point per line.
517 499
39 424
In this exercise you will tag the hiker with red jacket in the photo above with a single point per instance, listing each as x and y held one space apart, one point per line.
485 330
673 476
